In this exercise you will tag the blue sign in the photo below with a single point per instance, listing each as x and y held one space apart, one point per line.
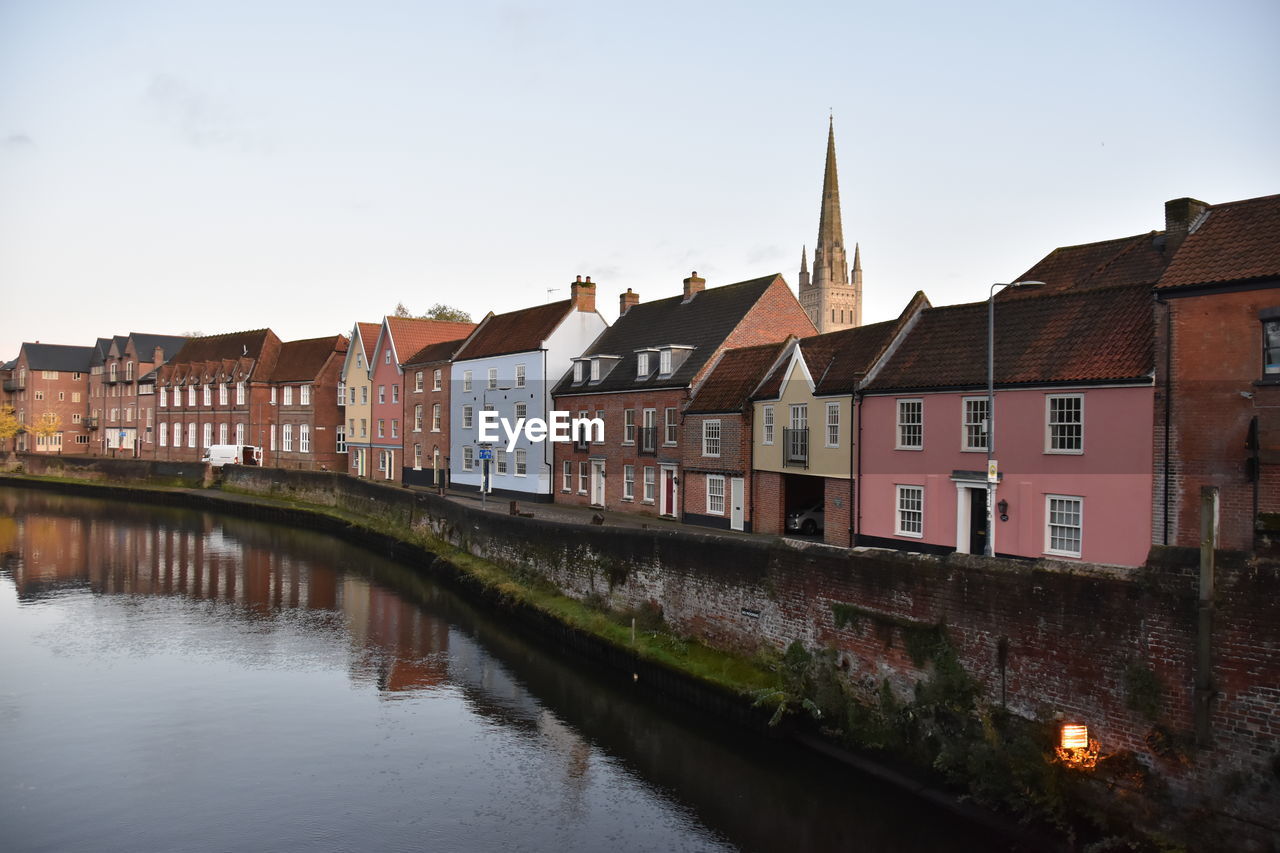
486 453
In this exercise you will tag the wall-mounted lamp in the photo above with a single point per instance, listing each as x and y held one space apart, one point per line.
1075 748
1003 506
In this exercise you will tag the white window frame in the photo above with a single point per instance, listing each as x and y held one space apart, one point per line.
164 397
304 438
664 362
468 457
521 411
342 393
339 438
222 433
222 394
436 380
417 418
768 422
386 356
904 406
628 426
595 370
499 460
520 376
900 510
711 438
522 462
832 432
240 433
286 395
577 372
671 421
970 426
492 379
1050 424
395 393
164 434
382 394
286 438
206 395
566 476
436 417
418 378
650 484
584 477
468 417
466 380
628 482
642 364
304 395
1049 525
715 494
206 435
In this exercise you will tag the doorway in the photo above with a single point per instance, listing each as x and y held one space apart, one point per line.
737 493
597 483
977 521
667 491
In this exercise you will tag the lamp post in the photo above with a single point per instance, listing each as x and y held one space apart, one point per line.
990 548
485 478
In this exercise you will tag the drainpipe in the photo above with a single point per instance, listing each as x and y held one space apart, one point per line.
855 482
1168 408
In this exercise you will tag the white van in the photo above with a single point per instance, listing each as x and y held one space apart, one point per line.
218 455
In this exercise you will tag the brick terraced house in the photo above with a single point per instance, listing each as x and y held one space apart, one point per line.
49 385
641 374
217 390
1218 370
121 412
303 389
716 484
426 414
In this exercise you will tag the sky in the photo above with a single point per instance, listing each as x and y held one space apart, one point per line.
176 166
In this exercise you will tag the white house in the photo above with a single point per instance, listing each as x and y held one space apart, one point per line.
509 365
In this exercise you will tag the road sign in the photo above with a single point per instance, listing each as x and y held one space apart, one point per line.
486 453
993 473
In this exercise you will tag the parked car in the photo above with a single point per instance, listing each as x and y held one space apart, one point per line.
218 455
808 520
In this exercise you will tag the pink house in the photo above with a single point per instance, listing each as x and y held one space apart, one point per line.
1074 404
400 338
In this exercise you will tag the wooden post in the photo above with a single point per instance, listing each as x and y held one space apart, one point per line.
1204 622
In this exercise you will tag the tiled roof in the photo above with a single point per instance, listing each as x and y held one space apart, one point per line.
369 339
703 323
731 381
100 349
1236 241
302 361
410 334
838 361
233 345
442 351
58 357
1095 335
516 331
1129 260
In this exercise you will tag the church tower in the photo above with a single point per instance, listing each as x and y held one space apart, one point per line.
832 300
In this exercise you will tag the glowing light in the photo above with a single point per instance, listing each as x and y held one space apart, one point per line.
1075 736
1075 749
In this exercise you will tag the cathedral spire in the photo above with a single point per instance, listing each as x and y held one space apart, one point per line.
830 231
804 259
831 300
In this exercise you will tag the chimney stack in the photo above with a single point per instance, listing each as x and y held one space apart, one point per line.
1179 215
584 294
626 300
693 285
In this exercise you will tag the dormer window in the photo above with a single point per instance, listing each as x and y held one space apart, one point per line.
595 370
664 362
577 372
642 364
671 357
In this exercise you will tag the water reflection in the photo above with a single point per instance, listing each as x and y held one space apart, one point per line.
475 739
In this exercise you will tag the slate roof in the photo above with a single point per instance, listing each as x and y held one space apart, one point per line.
515 331
232 345
442 351
1090 336
101 347
410 334
302 361
146 343
1139 259
58 357
1236 241
703 323
228 357
735 375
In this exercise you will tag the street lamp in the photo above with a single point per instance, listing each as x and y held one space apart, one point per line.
992 476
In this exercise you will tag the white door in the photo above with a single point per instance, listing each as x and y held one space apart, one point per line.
597 483
737 493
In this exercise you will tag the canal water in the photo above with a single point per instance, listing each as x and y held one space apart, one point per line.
176 680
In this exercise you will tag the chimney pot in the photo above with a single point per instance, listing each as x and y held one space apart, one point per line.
583 295
1179 215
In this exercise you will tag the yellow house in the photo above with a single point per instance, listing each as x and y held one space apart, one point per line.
804 416
356 397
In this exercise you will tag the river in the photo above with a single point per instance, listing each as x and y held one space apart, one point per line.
178 680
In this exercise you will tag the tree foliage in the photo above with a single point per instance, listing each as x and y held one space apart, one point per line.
9 425
47 426
439 311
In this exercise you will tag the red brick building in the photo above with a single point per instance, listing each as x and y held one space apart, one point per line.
217 390
1217 421
303 389
426 414
50 384
716 447
121 405
638 377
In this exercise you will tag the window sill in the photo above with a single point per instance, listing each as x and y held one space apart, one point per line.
909 535
1062 554
1064 453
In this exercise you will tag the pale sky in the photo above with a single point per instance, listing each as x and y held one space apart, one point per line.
173 166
